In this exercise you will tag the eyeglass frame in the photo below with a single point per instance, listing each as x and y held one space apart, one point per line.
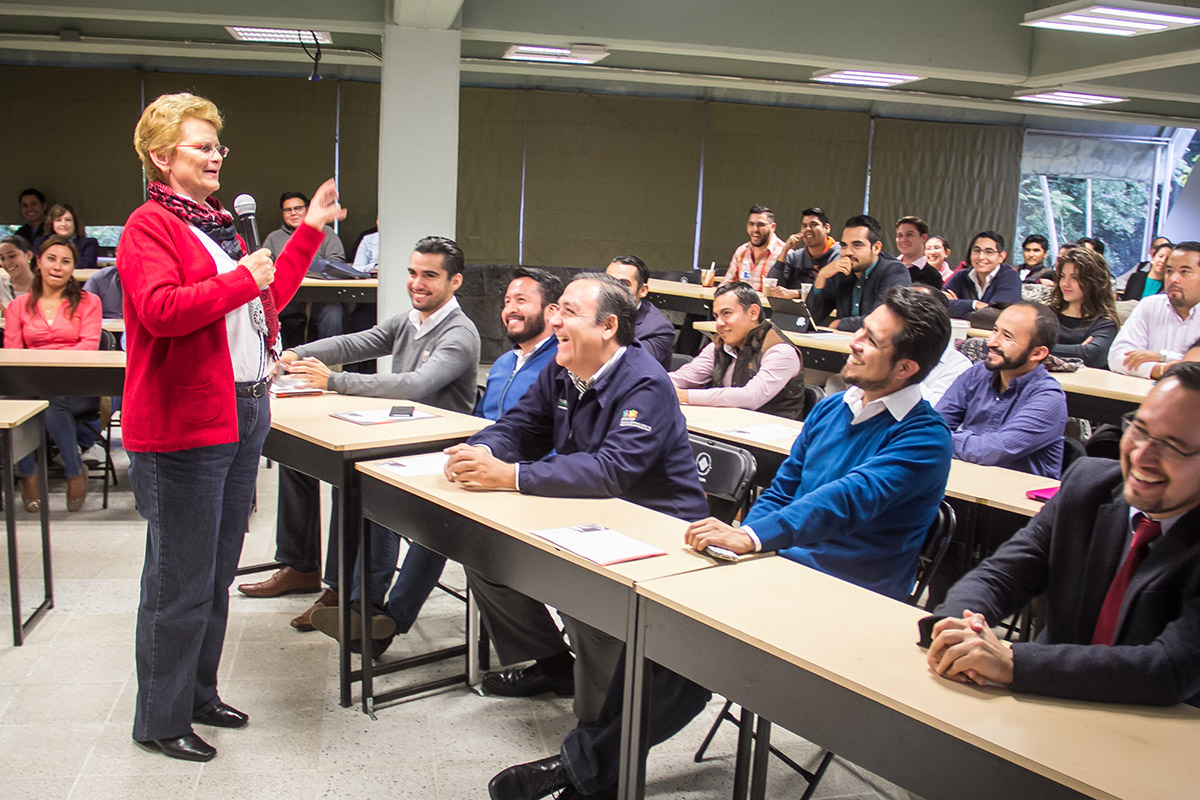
1129 422
219 149
977 251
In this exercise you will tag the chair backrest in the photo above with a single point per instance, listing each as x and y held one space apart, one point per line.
1072 450
108 340
678 360
812 396
937 542
726 473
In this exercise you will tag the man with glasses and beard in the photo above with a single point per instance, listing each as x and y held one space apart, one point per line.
1115 558
1007 410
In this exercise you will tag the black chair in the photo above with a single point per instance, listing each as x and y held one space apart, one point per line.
727 475
678 360
812 396
1073 449
933 550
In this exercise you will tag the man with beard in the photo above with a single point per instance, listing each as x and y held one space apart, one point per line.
435 354
1162 325
835 505
1115 558
530 293
854 284
753 260
1007 410
653 329
796 264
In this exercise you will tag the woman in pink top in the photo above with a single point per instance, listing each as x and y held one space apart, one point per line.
56 315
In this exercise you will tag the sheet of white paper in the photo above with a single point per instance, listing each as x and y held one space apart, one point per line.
770 432
375 416
412 466
598 544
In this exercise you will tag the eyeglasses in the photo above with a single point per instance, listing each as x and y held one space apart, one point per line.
208 148
989 252
294 209
1138 436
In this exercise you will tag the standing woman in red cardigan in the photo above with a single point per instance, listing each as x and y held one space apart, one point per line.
56 315
202 339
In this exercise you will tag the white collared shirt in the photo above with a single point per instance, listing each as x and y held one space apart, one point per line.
431 322
1154 325
973 276
899 403
522 356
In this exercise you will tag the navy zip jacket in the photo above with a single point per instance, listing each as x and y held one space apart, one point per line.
625 437
1005 287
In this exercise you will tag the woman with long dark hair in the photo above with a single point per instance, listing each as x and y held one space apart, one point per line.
63 221
56 315
1087 313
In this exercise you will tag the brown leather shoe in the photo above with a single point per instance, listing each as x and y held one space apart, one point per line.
284 581
77 490
328 599
29 494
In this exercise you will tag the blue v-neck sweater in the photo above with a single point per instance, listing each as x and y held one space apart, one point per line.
855 501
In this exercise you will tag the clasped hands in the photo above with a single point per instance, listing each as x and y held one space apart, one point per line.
968 651
474 467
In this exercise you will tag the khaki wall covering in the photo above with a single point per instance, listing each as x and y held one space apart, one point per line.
961 179
358 187
608 175
785 158
491 146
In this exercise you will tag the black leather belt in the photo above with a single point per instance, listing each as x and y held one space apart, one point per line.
258 389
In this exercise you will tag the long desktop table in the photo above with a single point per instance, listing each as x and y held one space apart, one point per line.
306 438
48 373
854 681
358 290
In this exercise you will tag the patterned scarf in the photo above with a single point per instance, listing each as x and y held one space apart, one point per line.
217 223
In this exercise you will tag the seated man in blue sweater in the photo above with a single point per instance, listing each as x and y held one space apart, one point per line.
1007 410
854 499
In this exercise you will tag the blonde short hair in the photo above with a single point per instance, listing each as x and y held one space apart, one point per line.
158 129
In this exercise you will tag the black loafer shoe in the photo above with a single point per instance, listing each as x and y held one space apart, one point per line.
529 781
221 716
528 681
187 748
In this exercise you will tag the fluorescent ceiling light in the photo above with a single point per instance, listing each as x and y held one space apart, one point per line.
575 54
1122 18
858 77
278 35
1077 99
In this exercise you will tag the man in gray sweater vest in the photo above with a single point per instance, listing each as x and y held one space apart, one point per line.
435 355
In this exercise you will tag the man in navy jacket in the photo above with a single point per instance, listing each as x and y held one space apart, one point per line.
1122 619
601 421
652 328
854 284
990 281
854 499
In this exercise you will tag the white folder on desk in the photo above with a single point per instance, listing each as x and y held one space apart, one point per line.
599 544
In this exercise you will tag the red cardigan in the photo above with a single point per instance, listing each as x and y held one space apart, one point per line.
178 374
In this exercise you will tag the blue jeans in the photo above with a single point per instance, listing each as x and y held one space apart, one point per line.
62 430
591 753
417 577
197 505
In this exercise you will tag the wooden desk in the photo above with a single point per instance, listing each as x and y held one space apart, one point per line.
358 290
491 531
51 373
872 700
22 431
690 298
113 325
304 437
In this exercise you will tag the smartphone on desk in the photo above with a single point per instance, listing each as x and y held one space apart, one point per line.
401 411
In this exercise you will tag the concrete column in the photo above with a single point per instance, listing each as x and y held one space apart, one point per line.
418 150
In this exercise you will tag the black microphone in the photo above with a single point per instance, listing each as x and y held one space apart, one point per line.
245 207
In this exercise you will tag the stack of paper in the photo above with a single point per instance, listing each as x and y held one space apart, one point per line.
378 416
599 544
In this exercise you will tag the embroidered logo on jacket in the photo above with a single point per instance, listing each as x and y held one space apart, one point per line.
629 419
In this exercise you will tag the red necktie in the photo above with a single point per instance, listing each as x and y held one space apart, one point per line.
1146 531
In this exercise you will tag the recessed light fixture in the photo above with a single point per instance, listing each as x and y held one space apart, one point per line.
278 35
1126 18
573 54
858 77
1077 99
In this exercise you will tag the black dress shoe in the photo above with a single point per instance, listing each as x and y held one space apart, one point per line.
529 781
528 681
187 748
221 716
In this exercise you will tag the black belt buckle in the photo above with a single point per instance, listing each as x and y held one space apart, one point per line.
258 389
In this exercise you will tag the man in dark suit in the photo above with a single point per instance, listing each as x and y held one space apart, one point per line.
854 284
653 329
1117 554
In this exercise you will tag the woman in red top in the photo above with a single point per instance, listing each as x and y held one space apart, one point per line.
202 339
56 315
